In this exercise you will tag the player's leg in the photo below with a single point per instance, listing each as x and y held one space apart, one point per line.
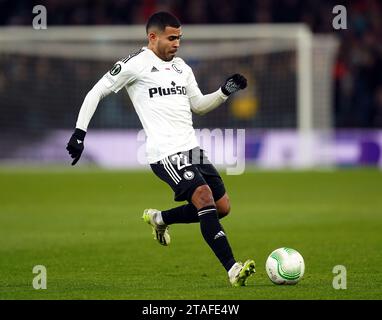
210 226
214 181
173 170
216 238
188 213
183 178
239 272
188 184
223 206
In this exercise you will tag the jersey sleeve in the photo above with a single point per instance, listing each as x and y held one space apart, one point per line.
120 75
192 87
201 104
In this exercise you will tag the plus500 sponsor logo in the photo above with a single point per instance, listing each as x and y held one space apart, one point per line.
159 91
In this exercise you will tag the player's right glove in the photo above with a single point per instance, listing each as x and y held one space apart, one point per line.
76 145
234 83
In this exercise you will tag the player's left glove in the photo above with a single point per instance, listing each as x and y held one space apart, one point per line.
76 145
234 83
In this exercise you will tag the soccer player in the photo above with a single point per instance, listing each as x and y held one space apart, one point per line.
164 93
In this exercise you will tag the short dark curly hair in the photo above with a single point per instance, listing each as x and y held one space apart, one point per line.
161 20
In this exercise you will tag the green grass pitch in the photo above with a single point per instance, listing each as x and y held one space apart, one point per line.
85 227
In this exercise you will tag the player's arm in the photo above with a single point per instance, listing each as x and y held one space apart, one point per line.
75 145
202 104
112 81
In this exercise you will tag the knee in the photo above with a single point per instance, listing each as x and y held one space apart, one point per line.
202 197
224 210
223 206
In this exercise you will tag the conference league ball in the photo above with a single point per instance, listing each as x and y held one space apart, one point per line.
285 266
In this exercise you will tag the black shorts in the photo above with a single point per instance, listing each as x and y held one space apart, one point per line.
185 171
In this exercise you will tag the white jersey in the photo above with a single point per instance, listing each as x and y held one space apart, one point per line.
160 92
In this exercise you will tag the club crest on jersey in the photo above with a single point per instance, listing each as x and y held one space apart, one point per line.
176 68
116 69
159 91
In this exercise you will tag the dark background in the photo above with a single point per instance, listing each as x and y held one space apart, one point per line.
357 72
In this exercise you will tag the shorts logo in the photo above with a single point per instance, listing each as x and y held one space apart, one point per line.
116 69
188 175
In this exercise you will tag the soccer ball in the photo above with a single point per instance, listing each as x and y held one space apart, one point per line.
285 266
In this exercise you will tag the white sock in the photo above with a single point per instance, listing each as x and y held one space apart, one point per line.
158 218
232 269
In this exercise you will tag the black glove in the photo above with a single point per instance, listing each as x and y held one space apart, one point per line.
76 145
234 83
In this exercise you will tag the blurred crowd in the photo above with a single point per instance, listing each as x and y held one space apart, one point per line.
358 68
